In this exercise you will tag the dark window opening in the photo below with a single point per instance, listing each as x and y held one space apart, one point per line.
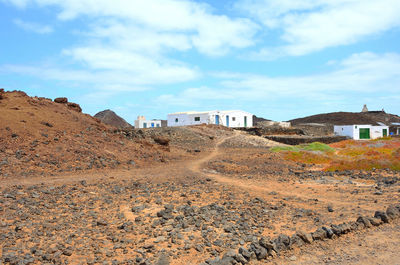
196 118
176 119
233 118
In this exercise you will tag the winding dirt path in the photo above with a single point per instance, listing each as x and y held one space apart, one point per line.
257 188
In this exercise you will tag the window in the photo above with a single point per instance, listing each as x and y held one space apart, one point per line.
233 118
196 118
176 119
356 126
144 125
158 125
152 124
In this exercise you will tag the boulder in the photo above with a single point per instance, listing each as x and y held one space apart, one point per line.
319 234
364 220
267 243
296 241
306 237
282 242
393 212
161 140
239 258
74 107
245 253
61 100
382 215
329 232
375 221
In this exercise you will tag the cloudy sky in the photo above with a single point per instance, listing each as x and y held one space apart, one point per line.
277 59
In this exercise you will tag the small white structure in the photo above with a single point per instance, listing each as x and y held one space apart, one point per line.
361 132
228 118
141 122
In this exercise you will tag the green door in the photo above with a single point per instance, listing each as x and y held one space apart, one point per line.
364 133
384 132
245 121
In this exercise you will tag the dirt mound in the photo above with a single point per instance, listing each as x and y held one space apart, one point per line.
349 118
111 118
189 138
39 136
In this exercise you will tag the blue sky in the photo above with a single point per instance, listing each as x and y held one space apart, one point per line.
277 59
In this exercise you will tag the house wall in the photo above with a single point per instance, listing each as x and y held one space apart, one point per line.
353 131
236 118
187 119
139 124
377 131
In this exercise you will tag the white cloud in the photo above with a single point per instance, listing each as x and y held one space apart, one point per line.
308 26
107 79
360 75
34 27
130 43
193 22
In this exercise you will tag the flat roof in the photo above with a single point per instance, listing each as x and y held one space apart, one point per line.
210 111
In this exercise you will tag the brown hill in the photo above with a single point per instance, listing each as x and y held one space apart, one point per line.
39 136
257 120
348 118
111 118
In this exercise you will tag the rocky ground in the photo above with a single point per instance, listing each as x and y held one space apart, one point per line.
193 211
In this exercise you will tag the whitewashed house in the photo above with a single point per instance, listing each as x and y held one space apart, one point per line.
360 132
141 122
228 118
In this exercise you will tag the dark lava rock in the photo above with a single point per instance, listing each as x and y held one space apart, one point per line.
306 237
329 232
364 220
382 215
319 234
282 242
245 253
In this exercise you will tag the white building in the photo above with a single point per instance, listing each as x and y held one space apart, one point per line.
141 122
360 132
228 118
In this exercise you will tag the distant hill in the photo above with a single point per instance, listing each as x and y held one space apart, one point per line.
111 118
349 118
256 120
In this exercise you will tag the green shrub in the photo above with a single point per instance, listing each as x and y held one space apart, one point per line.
316 146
